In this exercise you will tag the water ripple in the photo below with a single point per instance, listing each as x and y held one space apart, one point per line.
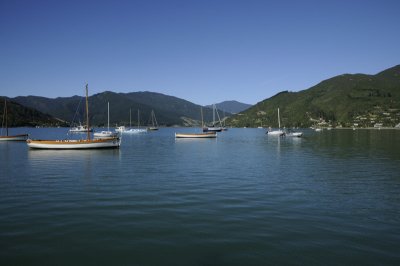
243 198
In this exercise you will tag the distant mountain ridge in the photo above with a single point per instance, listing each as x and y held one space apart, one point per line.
169 110
349 100
232 107
19 115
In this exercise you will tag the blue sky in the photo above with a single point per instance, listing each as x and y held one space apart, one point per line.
201 51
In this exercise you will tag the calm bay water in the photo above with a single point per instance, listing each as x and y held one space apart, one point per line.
244 198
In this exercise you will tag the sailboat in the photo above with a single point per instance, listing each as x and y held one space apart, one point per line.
80 129
297 134
278 132
213 128
7 137
294 134
108 133
87 143
154 124
120 129
201 135
134 130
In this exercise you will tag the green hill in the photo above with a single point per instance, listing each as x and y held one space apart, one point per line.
345 100
19 115
169 110
232 107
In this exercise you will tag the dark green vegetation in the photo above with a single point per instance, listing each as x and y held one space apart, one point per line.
346 100
19 115
169 110
232 107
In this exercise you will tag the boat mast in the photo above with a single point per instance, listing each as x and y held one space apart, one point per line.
214 114
138 119
5 116
223 113
279 120
219 118
201 111
87 113
108 116
130 117
154 119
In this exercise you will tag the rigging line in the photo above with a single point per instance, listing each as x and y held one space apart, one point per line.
4 117
77 111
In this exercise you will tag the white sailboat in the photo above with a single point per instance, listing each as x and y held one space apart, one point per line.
278 132
294 134
154 124
213 128
87 143
134 130
120 129
106 133
20 137
80 129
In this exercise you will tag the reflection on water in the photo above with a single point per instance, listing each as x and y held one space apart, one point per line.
37 155
363 143
74 162
243 198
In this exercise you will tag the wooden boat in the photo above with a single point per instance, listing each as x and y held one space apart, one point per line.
87 143
74 144
106 133
196 135
201 135
20 137
278 132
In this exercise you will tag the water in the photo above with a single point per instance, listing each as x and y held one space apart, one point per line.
245 198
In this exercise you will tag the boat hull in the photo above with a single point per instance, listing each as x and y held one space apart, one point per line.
212 129
196 135
120 129
74 144
295 134
21 137
276 133
135 131
105 135
73 130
